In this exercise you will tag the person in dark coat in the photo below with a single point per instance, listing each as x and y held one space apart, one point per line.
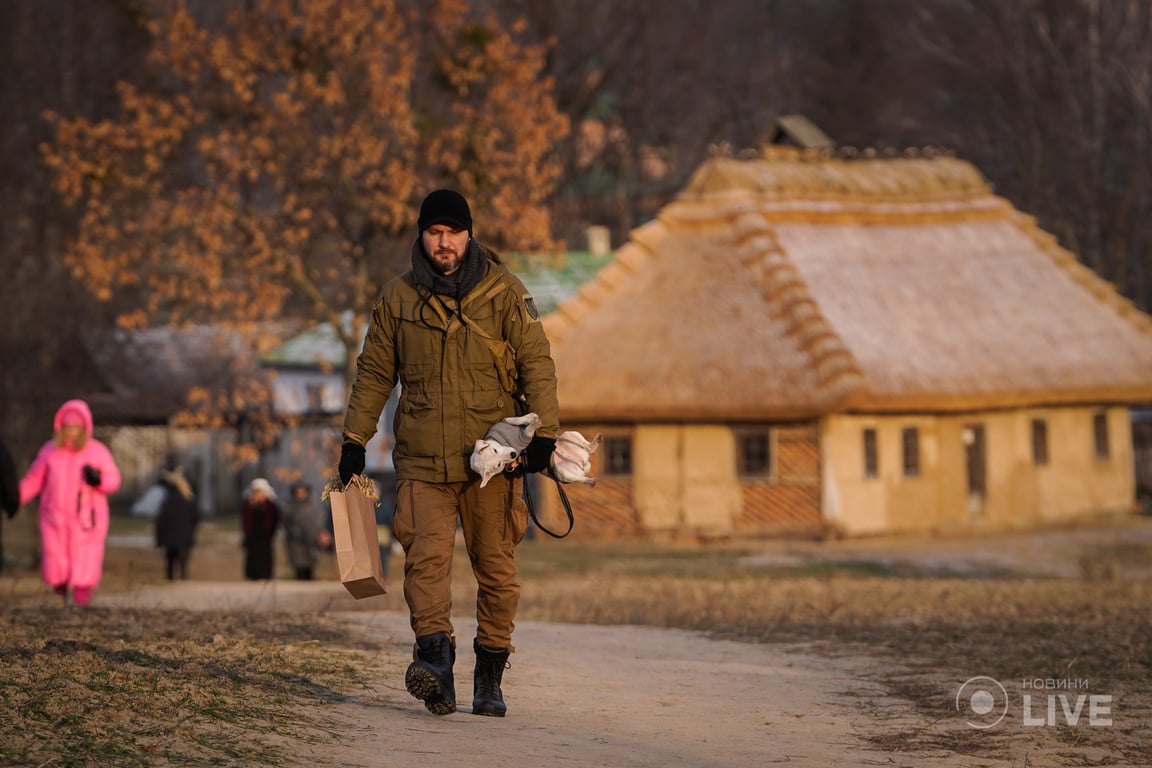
303 521
260 517
9 491
176 521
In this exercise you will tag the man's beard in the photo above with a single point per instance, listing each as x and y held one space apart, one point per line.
446 267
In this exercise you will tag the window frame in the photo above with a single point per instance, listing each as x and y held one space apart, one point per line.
1041 454
744 437
614 447
1101 439
910 451
314 396
870 440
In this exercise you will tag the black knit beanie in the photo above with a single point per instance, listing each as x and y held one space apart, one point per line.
445 206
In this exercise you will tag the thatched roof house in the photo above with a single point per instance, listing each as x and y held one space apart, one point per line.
804 287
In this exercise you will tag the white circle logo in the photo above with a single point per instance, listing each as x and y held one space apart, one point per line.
982 701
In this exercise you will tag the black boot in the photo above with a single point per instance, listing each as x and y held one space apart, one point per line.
487 697
429 676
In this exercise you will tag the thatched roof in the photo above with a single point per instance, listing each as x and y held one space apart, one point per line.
799 283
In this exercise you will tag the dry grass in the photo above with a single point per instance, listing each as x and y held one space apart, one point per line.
127 687
105 687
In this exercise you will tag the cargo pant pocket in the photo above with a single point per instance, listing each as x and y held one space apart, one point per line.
403 524
517 516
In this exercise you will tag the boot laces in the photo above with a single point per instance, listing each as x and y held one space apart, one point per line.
490 671
437 652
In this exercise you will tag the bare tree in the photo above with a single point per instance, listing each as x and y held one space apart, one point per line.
1051 99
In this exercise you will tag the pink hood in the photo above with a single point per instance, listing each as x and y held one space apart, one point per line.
74 406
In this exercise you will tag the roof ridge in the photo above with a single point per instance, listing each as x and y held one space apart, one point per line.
837 372
1103 290
787 174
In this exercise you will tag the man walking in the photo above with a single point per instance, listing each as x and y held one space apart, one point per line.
461 335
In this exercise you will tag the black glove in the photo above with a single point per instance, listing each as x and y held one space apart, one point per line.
535 457
351 460
91 475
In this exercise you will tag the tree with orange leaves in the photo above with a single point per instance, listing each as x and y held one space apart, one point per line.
268 166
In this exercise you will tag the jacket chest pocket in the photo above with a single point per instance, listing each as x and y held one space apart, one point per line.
487 357
419 344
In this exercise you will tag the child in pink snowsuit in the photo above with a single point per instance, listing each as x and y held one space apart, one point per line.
72 474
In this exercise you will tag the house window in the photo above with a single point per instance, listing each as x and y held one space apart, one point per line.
1040 442
871 454
755 453
976 459
910 436
1100 434
617 455
314 392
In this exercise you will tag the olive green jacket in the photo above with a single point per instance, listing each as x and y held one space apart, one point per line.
450 391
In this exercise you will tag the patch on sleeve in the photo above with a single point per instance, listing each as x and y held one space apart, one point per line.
531 307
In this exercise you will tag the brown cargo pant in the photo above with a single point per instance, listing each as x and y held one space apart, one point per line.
494 520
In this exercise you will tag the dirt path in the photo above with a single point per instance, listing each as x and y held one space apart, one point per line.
578 695
626 696
639 697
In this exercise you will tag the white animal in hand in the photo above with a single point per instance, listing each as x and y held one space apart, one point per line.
501 445
571 461
489 459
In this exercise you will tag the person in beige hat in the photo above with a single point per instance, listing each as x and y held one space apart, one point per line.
260 517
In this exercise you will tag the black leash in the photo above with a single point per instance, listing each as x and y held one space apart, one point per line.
563 499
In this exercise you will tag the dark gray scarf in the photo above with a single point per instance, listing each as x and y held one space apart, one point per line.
458 283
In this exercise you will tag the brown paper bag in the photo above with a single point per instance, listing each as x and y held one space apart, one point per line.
357 549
